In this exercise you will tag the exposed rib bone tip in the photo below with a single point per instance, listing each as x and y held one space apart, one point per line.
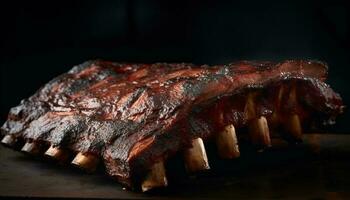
259 132
196 157
258 127
31 148
155 178
227 143
57 153
9 140
292 123
293 127
87 162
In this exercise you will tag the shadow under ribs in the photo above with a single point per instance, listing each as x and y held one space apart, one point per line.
133 117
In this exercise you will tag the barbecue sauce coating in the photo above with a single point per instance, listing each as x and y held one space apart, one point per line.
132 115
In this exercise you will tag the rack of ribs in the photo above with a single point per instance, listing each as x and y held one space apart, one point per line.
134 117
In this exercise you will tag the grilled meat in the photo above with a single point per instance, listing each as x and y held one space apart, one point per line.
135 116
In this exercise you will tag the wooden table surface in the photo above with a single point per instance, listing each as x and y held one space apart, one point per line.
317 169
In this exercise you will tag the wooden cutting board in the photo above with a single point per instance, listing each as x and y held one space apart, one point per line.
317 169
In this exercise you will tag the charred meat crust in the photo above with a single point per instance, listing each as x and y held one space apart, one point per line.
133 115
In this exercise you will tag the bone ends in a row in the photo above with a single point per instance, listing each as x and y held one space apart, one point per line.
156 177
227 143
196 157
9 140
86 161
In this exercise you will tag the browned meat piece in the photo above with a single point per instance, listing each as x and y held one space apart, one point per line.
133 117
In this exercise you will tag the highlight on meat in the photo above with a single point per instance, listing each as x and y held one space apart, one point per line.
134 117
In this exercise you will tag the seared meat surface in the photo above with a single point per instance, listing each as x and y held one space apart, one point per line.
132 116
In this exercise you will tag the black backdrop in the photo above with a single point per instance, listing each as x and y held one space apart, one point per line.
40 40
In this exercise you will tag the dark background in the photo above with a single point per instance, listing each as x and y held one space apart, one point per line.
40 40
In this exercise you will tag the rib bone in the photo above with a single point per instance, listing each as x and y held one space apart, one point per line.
257 127
292 123
57 153
31 148
250 107
259 132
227 143
155 178
196 157
9 140
293 126
88 162
274 120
